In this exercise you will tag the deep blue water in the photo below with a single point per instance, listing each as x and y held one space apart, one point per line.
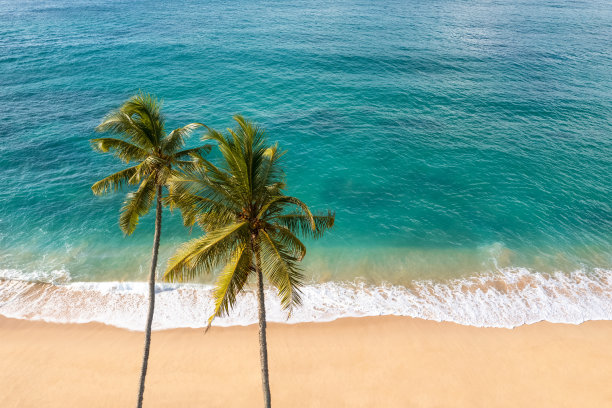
450 137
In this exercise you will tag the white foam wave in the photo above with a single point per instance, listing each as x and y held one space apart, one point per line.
507 298
50 276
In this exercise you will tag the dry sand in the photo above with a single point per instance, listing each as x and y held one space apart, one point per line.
365 362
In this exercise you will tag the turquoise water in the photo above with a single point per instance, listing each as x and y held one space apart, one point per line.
452 138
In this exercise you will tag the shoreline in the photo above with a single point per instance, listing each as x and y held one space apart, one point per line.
509 298
369 361
290 323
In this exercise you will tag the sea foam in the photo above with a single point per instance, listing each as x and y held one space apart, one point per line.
506 298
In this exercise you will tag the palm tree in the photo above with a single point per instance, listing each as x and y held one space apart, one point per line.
140 137
250 225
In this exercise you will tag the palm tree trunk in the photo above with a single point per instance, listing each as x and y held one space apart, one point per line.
263 346
145 357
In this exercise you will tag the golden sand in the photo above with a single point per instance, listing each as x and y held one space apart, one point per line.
365 362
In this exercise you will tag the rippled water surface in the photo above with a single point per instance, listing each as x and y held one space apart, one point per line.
454 139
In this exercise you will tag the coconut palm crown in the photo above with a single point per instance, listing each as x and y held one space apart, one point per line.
251 227
246 218
141 138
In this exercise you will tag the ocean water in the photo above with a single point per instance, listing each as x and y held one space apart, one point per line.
466 147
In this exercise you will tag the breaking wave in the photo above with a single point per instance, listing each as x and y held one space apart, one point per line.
507 298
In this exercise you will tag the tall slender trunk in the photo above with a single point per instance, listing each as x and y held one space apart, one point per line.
145 357
263 346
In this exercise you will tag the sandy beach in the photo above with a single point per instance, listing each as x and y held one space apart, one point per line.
365 362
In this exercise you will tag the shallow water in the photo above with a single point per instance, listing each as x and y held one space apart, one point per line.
453 139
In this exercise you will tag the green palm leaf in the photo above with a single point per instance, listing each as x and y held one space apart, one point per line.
202 255
301 224
136 205
284 236
115 181
274 205
176 139
119 148
282 270
145 111
121 124
196 152
231 281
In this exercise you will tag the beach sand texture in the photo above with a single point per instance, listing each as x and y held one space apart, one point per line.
356 362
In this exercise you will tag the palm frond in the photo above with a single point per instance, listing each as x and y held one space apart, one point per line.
254 153
269 176
273 203
144 170
284 236
202 255
115 181
196 152
145 111
208 213
176 139
281 269
301 225
236 165
121 149
137 204
231 281
214 219
205 179
163 170
196 180
120 124
214 135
